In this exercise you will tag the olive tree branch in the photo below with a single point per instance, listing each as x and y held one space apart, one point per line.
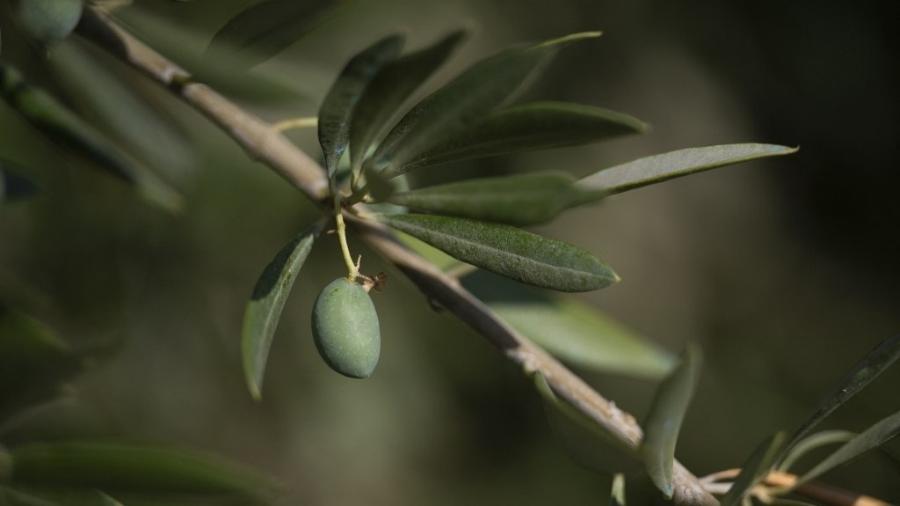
266 144
779 482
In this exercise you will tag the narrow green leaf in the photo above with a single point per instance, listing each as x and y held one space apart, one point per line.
10 497
873 437
266 28
683 162
810 443
336 112
132 468
570 329
665 418
529 127
66 129
391 88
514 253
524 199
264 308
875 362
586 441
482 88
12 185
754 469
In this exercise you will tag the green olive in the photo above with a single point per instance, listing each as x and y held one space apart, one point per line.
49 20
345 328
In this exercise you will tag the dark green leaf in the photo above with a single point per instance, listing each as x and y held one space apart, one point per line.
873 437
336 112
810 443
658 168
48 20
391 88
266 28
12 185
570 329
528 127
482 88
514 253
264 308
586 441
665 418
34 362
65 128
10 497
131 468
754 469
864 372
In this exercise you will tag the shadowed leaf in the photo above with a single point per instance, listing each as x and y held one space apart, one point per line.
482 88
66 129
393 85
683 162
871 438
665 418
570 329
529 127
132 468
264 308
514 253
754 469
12 185
813 442
864 372
266 28
336 112
525 199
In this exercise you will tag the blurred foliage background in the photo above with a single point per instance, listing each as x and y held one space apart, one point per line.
785 270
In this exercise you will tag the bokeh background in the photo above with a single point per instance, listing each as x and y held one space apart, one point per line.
785 271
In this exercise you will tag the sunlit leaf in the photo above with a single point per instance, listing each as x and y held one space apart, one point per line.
131 468
586 441
871 438
570 329
864 372
485 86
528 127
524 199
12 185
393 85
812 442
754 469
264 308
336 112
663 424
617 492
514 253
683 162
266 28
66 129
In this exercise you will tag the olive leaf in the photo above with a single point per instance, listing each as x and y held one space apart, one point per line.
116 467
812 442
586 441
875 362
873 437
391 87
12 185
514 253
264 308
683 162
754 469
66 129
266 28
524 199
570 329
528 127
482 88
336 112
666 415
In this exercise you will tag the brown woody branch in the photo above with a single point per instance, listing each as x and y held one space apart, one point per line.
267 145
783 481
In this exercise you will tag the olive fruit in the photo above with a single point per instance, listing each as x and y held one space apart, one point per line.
48 20
345 329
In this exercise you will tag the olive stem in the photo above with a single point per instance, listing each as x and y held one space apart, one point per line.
352 267
291 123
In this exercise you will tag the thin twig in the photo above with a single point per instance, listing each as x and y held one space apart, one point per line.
782 481
265 144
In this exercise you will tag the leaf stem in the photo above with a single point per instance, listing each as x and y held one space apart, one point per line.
291 123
